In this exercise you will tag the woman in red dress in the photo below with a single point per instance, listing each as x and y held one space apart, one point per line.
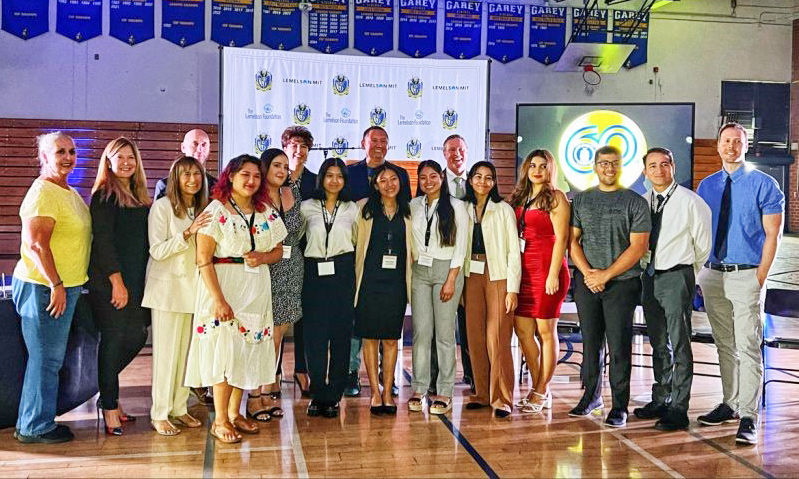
542 214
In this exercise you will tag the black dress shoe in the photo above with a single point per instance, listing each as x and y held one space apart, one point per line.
376 410
616 418
721 414
652 410
330 410
390 410
501 413
586 407
61 433
475 405
747 431
673 420
313 408
353 386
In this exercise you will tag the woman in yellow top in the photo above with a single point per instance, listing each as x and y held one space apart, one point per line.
56 237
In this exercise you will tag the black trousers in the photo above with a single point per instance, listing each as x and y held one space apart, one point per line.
462 340
328 313
607 315
123 333
668 300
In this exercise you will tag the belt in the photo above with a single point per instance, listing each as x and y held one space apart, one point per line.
673 268
728 268
478 257
232 260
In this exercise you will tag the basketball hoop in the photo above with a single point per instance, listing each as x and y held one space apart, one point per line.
591 78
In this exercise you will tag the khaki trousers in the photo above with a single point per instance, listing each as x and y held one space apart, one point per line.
171 338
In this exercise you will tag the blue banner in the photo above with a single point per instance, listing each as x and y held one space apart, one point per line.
281 24
417 27
374 26
462 23
132 21
26 18
595 27
231 22
328 26
79 20
623 22
505 31
547 33
183 21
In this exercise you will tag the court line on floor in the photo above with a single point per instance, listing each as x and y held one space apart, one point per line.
296 445
50 460
731 454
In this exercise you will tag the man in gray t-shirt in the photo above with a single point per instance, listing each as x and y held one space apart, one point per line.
609 235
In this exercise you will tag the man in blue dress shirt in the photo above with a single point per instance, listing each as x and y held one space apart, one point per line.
748 209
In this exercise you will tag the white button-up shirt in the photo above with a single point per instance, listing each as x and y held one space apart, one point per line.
342 234
419 215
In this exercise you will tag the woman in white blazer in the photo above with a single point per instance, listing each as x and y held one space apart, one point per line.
493 272
170 289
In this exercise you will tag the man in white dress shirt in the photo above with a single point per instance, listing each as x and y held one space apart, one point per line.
679 245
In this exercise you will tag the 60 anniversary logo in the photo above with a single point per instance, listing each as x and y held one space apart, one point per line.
589 132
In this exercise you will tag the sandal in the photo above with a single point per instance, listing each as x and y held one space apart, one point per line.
251 395
186 420
260 415
247 426
226 436
441 407
524 401
537 407
275 411
164 427
415 403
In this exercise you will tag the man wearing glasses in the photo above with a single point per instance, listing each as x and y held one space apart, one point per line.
609 234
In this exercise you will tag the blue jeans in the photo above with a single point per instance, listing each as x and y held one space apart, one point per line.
46 340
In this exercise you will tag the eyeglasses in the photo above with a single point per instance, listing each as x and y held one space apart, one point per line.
607 164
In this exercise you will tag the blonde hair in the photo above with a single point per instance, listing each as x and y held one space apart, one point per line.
179 207
108 183
46 142
546 199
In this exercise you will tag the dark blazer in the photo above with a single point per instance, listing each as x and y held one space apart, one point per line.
359 181
307 184
160 187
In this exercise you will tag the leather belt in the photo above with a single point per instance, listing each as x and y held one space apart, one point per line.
729 268
673 268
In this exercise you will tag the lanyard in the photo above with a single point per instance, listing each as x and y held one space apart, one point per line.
429 224
328 220
249 223
482 215
522 223
658 210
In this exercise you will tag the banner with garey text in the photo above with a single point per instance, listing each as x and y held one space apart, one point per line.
547 33
505 31
417 27
418 102
463 21
623 23
329 26
232 22
183 21
26 18
79 20
374 26
594 28
132 21
281 24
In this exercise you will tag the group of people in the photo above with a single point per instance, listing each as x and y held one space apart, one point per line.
221 268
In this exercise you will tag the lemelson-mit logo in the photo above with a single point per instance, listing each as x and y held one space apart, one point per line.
262 143
413 149
340 146
377 117
302 114
449 120
586 133
263 80
341 85
415 87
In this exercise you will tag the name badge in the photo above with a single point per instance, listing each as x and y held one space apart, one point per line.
327 268
425 259
286 252
646 258
477 267
389 261
251 269
522 244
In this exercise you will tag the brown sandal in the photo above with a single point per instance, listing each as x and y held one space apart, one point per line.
186 420
223 436
247 426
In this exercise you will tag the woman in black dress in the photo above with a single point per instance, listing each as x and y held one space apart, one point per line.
383 278
119 206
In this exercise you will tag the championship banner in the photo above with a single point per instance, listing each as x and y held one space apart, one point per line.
79 20
547 33
505 31
419 103
595 28
328 26
623 22
281 24
374 26
26 18
132 21
183 21
417 27
463 21
231 22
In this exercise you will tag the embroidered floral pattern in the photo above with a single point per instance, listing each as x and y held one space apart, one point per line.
222 219
249 336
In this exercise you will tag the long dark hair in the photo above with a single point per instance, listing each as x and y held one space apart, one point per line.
374 203
224 188
493 195
545 200
446 213
319 192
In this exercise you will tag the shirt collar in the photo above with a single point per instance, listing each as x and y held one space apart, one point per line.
737 174
666 191
451 175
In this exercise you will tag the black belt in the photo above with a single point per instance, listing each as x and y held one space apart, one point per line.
729 268
673 268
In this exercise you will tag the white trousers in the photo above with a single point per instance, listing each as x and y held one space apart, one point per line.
171 338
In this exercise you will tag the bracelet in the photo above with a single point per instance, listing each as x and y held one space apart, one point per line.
60 282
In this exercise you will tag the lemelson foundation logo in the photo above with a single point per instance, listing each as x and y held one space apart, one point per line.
413 149
592 130
340 146
262 143
377 117
449 120
263 80
302 114
341 85
415 87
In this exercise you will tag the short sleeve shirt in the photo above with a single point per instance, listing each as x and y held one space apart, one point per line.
607 218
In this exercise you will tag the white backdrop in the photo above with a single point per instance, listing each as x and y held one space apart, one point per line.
419 102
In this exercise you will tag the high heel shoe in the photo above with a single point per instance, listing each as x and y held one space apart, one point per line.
306 393
536 407
110 431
